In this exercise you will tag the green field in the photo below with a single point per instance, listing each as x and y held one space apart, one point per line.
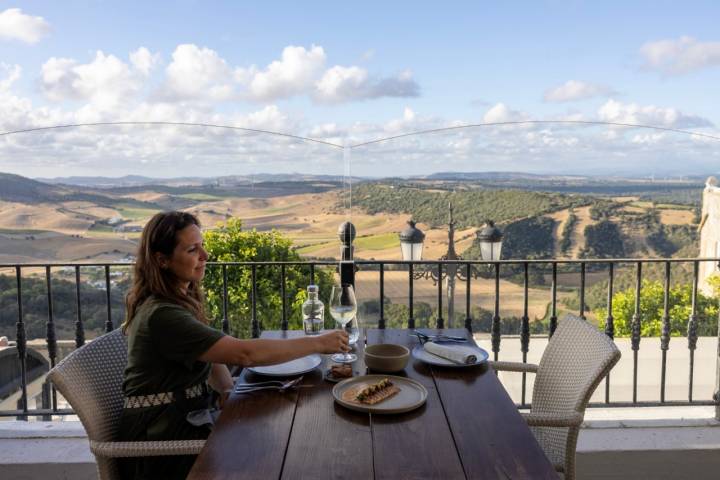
133 213
662 206
202 197
378 242
310 249
21 231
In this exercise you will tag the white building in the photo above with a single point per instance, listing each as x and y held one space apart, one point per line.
709 232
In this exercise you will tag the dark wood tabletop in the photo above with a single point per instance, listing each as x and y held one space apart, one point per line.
469 428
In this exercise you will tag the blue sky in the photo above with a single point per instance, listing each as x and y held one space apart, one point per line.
351 72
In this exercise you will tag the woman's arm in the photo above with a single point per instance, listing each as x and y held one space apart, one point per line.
220 379
250 353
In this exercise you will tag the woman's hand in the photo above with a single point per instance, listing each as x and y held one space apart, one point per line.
333 341
222 398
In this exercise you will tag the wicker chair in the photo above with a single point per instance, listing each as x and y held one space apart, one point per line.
90 379
575 361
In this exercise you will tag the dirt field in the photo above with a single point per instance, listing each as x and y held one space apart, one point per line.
561 219
482 293
577 240
676 217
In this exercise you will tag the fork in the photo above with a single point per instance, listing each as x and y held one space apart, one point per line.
424 337
270 385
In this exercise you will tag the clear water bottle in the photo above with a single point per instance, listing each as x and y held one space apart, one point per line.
313 312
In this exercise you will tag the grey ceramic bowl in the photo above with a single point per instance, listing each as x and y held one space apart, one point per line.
386 357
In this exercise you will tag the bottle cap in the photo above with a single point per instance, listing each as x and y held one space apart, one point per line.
312 288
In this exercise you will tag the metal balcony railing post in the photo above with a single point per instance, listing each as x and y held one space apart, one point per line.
255 326
381 321
495 331
79 328
21 344
635 329
468 317
411 316
665 334
225 321
50 336
108 321
692 331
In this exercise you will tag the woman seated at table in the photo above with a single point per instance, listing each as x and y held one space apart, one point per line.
172 350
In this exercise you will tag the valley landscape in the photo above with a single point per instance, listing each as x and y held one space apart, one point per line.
98 220
55 222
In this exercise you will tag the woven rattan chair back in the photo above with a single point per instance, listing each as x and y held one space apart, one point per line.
576 359
90 379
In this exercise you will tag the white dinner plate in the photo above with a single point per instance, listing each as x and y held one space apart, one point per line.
293 367
419 353
411 396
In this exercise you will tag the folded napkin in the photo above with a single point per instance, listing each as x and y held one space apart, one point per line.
457 353
204 416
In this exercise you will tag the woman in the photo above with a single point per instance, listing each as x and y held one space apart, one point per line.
173 354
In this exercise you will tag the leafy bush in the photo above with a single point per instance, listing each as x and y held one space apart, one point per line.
651 311
229 243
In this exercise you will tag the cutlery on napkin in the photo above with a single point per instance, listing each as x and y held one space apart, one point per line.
456 353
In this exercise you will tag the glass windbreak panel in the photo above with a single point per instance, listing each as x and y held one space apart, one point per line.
567 191
78 198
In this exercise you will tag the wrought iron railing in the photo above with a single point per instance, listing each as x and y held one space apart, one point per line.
467 271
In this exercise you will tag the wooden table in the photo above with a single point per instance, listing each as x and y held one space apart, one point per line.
469 428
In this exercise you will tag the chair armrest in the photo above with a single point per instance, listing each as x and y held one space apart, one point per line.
146 449
514 367
573 419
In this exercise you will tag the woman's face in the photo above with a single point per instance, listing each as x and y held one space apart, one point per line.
188 259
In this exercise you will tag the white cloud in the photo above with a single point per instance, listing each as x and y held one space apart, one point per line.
632 113
15 25
576 90
502 113
293 74
682 55
12 74
202 74
143 60
198 74
103 82
342 84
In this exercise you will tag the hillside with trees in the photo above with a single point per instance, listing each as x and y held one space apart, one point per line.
471 208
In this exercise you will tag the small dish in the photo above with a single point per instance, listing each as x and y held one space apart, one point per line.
330 376
386 357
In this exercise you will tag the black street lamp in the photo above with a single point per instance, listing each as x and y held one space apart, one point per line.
411 242
490 238
411 246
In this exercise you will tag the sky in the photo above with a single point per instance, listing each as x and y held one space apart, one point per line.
348 73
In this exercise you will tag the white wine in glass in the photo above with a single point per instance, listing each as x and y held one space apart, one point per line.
343 308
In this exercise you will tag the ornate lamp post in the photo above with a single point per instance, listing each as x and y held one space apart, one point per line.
411 246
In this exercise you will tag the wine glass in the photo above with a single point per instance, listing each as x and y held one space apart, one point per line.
343 308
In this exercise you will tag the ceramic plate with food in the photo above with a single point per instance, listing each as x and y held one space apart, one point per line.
380 394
